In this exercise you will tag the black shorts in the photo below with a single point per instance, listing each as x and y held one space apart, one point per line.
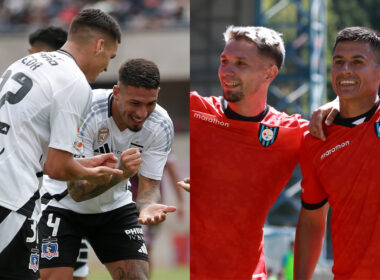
19 252
114 235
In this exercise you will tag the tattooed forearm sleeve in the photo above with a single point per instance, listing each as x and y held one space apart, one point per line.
84 190
148 192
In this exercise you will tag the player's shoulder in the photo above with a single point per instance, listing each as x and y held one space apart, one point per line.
209 104
100 106
101 95
158 120
283 119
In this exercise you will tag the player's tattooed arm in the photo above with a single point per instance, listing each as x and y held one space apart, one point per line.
130 163
84 189
148 192
151 212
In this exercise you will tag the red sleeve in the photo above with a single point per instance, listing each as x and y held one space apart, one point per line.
313 194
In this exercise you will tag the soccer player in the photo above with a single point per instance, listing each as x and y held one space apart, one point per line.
128 122
46 40
243 152
341 172
42 99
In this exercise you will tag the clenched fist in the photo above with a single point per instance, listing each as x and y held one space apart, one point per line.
130 162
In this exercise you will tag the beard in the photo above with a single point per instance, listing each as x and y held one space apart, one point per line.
233 97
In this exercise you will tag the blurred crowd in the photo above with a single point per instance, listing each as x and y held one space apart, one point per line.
26 15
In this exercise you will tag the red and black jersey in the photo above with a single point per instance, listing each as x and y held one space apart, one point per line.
343 170
238 169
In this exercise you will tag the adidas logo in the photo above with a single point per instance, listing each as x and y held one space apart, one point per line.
143 250
103 149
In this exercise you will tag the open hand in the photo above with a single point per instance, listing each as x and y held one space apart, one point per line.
154 214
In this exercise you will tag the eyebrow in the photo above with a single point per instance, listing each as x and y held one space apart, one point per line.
237 57
355 56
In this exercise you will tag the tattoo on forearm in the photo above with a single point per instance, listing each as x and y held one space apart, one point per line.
148 195
84 190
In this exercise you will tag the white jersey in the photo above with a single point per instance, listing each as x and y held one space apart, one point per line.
43 97
100 134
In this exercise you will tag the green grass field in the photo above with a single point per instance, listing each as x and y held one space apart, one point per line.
175 273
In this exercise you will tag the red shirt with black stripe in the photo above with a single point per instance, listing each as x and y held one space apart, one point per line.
343 170
239 165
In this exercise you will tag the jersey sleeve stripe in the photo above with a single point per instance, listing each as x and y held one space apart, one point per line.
167 126
314 206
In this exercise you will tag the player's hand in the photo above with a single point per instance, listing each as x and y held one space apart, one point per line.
101 160
102 174
154 214
130 162
185 184
326 114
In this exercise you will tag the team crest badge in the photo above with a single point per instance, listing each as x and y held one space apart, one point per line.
103 134
34 260
49 250
267 134
377 129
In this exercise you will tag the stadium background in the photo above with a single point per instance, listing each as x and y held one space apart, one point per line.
153 29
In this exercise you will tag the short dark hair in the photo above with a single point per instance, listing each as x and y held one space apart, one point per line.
139 72
52 36
96 19
360 34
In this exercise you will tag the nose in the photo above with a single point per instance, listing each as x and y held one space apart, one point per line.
346 67
142 113
226 69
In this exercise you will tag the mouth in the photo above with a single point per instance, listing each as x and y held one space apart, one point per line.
137 120
230 84
347 83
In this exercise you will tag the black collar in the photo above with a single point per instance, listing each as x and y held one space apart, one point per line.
67 53
110 100
352 122
235 116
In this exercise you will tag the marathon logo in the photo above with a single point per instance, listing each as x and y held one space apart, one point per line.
267 134
135 233
377 129
34 260
336 148
210 120
49 250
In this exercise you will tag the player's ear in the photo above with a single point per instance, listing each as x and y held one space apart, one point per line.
99 46
271 73
116 91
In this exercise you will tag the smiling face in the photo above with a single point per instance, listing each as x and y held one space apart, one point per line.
243 71
133 105
355 71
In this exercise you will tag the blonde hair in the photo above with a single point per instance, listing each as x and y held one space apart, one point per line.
268 41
